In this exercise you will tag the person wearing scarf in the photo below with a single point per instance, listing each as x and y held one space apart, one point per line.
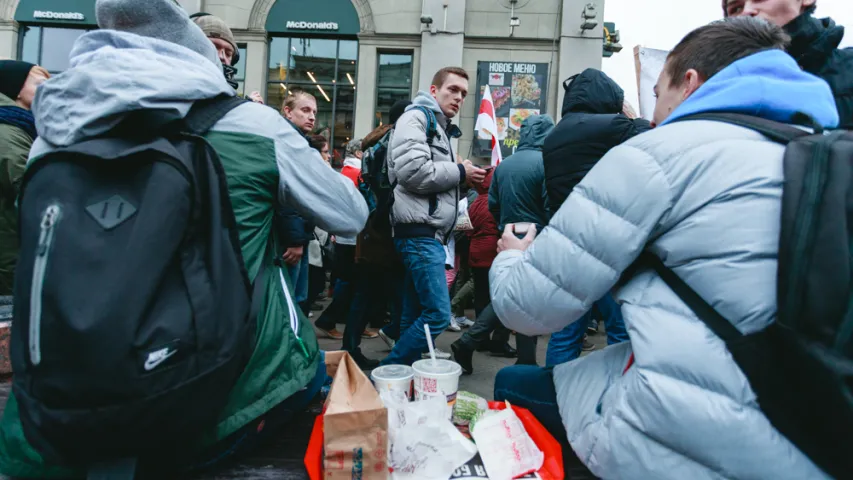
18 83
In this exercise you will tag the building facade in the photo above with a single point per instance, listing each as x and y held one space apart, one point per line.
360 56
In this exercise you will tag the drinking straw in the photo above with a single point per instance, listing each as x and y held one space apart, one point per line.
429 344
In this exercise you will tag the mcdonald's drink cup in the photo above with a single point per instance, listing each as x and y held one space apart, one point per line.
437 378
393 378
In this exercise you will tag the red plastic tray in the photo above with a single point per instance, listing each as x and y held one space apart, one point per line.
552 468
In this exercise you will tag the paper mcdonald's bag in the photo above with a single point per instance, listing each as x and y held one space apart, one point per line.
355 424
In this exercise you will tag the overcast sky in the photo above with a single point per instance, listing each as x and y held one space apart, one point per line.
635 19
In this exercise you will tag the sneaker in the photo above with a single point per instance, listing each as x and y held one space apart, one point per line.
388 340
368 334
592 329
464 322
587 346
439 354
454 325
333 333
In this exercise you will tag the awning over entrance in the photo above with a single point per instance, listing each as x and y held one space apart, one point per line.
59 12
324 17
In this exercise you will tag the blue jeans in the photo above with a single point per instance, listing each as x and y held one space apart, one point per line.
566 344
299 278
264 427
394 285
426 299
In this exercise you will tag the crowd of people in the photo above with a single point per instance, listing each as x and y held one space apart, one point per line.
553 230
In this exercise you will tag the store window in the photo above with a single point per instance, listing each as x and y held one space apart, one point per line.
48 47
325 68
393 83
240 76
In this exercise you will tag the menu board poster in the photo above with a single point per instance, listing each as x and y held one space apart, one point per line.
519 90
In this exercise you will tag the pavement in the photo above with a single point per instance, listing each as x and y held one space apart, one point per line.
486 367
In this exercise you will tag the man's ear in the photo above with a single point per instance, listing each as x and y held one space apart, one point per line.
692 82
807 4
433 90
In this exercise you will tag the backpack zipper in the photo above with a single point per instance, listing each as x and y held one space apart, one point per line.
294 316
48 224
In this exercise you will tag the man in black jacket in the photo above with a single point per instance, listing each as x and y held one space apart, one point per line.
814 44
592 124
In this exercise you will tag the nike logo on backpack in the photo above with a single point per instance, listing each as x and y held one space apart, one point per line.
156 358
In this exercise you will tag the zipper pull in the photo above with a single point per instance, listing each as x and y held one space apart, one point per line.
302 346
47 223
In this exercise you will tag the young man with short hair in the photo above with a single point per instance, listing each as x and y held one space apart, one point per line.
423 166
300 109
814 44
705 197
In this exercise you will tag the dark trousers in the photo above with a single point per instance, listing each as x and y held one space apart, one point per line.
369 294
482 295
316 283
481 334
344 288
526 347
488 329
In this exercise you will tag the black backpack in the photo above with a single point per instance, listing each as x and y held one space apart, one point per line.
134 314
377 188
801 367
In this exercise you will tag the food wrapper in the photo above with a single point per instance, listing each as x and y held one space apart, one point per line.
468 407
505 447
424 444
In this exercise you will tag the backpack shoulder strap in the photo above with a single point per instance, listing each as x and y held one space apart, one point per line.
205 113
432 122
710 317
776 131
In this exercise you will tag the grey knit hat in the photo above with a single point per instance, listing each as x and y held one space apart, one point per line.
161 19
215 27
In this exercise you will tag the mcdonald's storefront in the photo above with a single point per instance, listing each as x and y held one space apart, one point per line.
358 57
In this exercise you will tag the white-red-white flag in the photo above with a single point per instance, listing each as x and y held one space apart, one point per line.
487 125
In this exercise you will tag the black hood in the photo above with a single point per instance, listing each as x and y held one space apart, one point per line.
592 92
813 40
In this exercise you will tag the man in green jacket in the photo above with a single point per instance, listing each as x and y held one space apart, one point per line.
18 83
161 60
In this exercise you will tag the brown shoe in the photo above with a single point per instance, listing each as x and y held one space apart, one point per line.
368 333
334 334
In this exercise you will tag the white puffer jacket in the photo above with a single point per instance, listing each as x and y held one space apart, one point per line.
706 198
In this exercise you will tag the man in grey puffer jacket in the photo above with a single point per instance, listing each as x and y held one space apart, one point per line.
705 197
425 204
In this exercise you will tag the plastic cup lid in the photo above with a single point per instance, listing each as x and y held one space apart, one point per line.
392 372
437 367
